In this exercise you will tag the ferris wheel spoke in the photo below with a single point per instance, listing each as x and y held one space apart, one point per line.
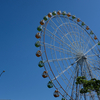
93 49
96 64
96 67
64 24
97 72
53 39
61 69
60 51
90 49
95 61
76 45
78 40
69 75
58 48
83 45
85 39
63 31
67 63
49 33
73 38
92 66
74 34
93 55
75 76
76 27
70 69
79 35
61 59
67 68
89 70
63 73
56 29
62 78
67 83
62 41
81 39
70 41
87 44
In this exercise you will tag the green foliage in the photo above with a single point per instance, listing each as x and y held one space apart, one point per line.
88 85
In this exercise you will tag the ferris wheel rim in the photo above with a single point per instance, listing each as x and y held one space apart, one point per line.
49 63
45 49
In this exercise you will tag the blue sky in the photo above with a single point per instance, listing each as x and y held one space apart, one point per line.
19 19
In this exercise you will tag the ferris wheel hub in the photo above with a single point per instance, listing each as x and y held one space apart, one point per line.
84 57
80 57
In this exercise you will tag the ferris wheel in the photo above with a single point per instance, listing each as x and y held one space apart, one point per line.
68 49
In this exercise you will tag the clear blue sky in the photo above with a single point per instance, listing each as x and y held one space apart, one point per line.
19 19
